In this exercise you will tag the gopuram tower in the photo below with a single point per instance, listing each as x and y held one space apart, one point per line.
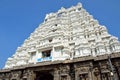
69 45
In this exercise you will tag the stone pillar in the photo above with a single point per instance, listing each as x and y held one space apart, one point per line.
64 72
31 75
76 74
116 76
52 53
118 71
28 75
56 74
90 74
97 73
16 75
36 56
40 54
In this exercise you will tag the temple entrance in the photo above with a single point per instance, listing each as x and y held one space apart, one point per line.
44 76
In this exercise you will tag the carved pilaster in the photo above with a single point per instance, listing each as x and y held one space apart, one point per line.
76 73
56 74
118 69
81 71
84 71
5 76
28 74
96 74
104 71
64 72
25 74
91 75
16 75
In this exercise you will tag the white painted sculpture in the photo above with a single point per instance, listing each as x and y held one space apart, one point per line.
66 34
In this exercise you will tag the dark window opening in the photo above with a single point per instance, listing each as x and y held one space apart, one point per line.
79 9
60 14
50 40
44 76
25 79
64 77
33 54
55 24
100 33
45 19
54 30
46 53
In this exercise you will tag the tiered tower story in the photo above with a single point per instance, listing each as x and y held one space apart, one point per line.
66 34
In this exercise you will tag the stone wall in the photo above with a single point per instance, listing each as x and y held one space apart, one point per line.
68 70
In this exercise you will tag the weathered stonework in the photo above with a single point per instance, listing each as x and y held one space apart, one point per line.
76 69
69 45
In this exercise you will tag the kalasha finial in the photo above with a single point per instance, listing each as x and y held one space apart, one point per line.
79 4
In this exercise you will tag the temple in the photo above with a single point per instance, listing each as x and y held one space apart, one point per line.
69 45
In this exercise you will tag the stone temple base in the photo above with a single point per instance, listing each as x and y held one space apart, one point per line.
84 68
